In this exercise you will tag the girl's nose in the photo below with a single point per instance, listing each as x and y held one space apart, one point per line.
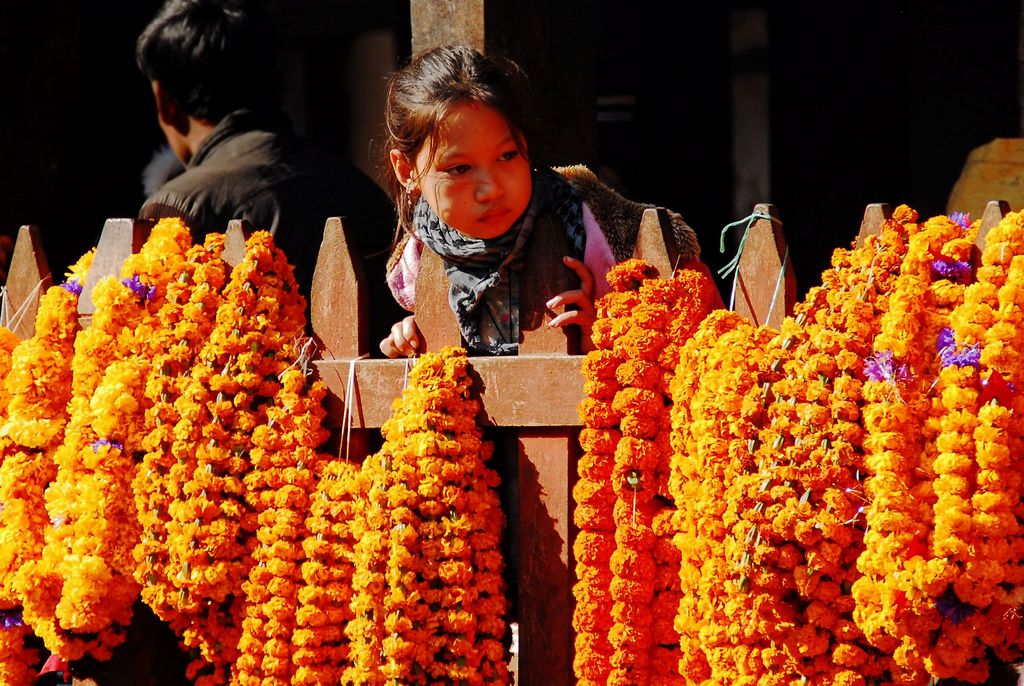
487 187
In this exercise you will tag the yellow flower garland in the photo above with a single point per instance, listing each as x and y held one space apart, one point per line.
321 648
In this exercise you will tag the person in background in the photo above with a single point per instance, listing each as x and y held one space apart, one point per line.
212 68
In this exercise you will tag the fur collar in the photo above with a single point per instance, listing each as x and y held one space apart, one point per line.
619 218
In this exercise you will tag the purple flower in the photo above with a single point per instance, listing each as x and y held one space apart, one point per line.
883 367
72 286
135 285
961 218
952 608
99 443
12 618
957 271
952 354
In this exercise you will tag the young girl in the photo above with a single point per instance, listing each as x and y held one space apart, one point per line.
465 189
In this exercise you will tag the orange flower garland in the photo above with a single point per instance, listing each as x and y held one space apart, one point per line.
84 590
280 486
429 597
627 591
185 321
39 386
894 615
321 648
211 527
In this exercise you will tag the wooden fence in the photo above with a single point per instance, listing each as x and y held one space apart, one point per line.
531 399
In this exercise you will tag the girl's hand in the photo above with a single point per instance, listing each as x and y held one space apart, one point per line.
583 314
405 339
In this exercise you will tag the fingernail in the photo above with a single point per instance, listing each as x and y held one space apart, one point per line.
551 303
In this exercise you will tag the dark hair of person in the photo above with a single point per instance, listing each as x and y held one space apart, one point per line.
420 95
212 56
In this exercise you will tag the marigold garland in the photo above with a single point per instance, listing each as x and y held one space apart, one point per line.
84 588
39 387
321 648
428 599
902 423
211 525
280 488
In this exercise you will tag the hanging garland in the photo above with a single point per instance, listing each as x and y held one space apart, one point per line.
280 487
321 648
84 587
211 525
429 599
39 387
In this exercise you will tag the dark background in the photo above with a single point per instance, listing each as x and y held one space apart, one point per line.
881 104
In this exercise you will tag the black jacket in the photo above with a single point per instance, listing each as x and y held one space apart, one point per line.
253 167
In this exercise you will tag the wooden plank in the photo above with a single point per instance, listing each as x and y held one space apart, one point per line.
27 280
875 215
766 284
119 239
995 210
655 242
339 306
535 390
547 465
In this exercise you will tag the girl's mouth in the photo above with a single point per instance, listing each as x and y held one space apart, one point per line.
493 215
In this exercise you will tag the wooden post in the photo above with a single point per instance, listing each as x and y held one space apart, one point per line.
656 243
119 239
27 280
433 313
766 285
234 241
875 215
554 41
995 210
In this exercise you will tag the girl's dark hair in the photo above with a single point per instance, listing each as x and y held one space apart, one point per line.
421 94
212 56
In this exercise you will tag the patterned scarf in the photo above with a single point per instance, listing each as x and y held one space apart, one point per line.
475 265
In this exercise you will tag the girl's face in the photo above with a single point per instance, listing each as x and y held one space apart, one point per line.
471 172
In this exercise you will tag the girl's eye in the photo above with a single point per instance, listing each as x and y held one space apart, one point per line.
509 155
457 170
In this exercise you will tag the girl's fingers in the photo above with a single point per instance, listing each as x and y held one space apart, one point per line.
404 340
574 318
578 298
582 271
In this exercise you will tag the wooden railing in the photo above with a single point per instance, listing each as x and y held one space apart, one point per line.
529 401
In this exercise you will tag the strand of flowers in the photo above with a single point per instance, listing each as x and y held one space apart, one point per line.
999 515
593 493
893 615
429 596
280 488
39 385
974 520
640 405
186 320
811 495
17 659
85 591
665 317
211 527
691 294
811 492
321 648
726 409
687 487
